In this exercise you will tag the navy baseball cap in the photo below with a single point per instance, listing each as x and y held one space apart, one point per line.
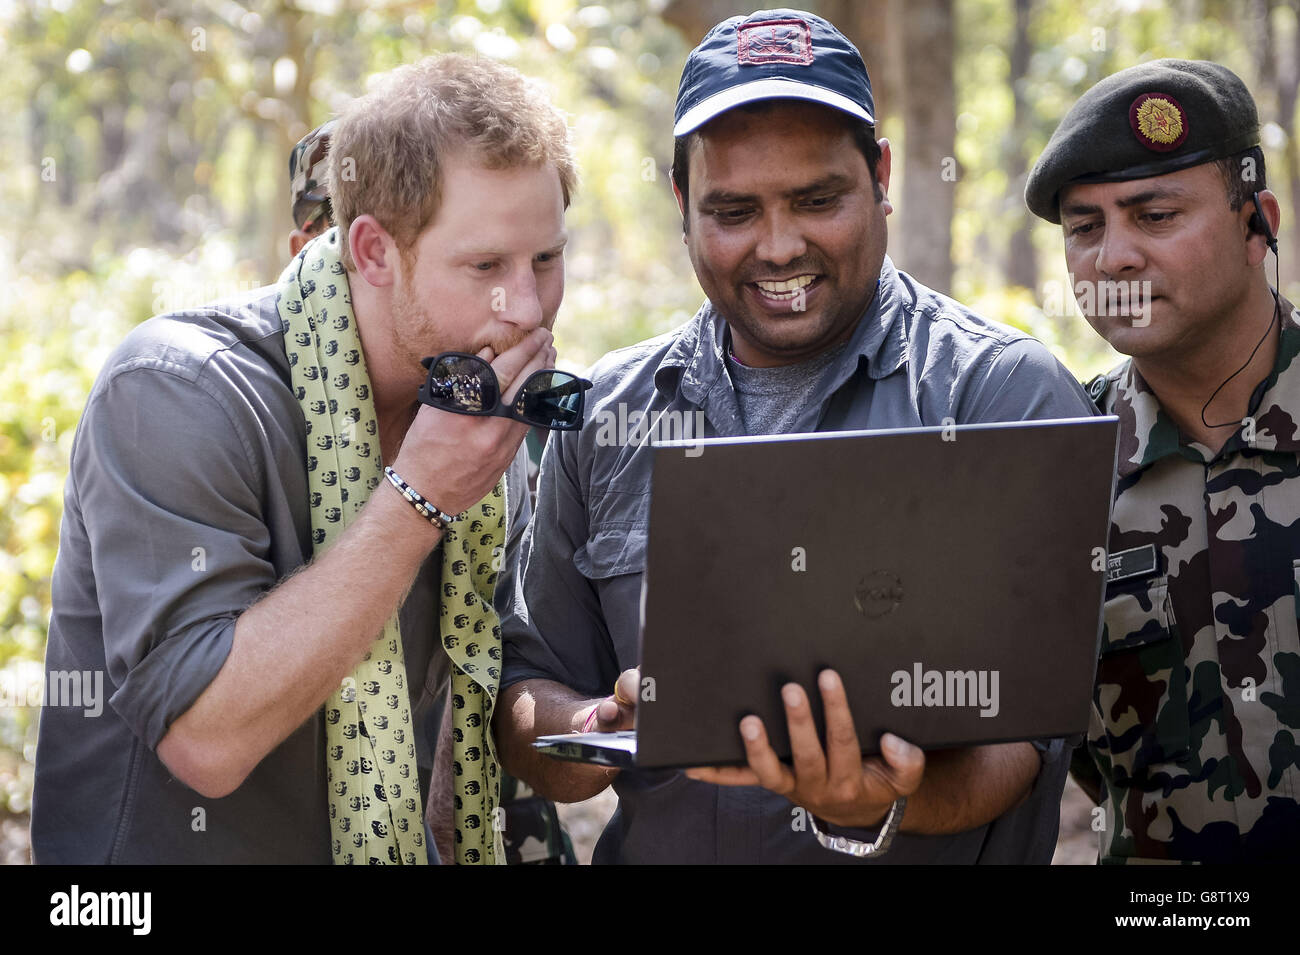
772 54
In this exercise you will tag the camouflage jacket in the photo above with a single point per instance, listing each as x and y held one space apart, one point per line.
1197 702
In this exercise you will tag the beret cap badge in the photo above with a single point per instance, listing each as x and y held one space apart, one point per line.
1158 121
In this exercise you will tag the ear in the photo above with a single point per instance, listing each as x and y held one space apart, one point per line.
374 252
297 239
883 168
1256 242
681 205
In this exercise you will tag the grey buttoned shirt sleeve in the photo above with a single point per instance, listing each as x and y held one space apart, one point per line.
1023 382
177 539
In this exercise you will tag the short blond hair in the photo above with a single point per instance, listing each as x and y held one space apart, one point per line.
388 149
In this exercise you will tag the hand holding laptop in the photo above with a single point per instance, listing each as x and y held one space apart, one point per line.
835 784
617 711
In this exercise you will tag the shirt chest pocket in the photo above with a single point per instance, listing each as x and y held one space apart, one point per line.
617 534
612 550
1141 690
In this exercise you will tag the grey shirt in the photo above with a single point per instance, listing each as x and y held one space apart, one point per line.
771 400
915 358
187 498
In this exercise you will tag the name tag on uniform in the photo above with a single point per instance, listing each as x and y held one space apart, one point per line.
1137 562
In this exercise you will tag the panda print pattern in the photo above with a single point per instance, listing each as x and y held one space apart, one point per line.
373 789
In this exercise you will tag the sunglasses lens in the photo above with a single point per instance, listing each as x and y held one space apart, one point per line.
463 383
551 399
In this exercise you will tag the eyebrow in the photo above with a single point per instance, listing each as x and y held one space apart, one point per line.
1141 198
721 197
471 253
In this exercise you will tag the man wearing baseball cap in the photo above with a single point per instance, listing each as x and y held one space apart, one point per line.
1157 180
783 190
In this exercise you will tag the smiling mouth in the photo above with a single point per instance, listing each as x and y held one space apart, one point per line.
785 290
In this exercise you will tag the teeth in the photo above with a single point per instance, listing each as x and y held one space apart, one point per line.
786 288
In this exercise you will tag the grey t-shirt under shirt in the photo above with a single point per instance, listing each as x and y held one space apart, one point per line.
772 399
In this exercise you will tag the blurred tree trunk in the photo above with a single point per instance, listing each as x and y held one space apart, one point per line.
1020 268
874 29
693 18
1285 70
930 123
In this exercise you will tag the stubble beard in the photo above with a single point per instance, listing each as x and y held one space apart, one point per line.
417 333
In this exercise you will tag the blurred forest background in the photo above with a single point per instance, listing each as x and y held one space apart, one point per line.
145 168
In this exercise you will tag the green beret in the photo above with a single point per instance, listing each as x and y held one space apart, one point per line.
1149 120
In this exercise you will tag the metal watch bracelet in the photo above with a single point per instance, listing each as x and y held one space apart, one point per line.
439 519
853 847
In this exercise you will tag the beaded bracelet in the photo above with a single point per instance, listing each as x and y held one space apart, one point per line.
439 519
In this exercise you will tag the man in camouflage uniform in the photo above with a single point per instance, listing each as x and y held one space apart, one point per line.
1192 752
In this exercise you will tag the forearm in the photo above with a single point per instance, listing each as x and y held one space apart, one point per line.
965 788
293 647
536 708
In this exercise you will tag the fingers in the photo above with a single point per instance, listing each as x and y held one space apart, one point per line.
769 772
516 364
843 752
607 711
618 710
805 746
724 775
628 686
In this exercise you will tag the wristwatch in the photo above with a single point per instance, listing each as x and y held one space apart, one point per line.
860 850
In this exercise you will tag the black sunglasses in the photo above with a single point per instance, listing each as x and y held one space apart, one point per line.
466 384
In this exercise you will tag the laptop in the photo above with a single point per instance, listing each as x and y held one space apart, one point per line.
953 576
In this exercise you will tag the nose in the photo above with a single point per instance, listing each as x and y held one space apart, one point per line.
521 303
1119 251
780 241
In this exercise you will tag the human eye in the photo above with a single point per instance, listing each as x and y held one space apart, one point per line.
484 266
1081 229
1158 218
818 203
732 216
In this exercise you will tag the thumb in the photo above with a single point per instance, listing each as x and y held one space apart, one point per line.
905 763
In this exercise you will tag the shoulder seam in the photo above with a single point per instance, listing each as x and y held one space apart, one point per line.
217 398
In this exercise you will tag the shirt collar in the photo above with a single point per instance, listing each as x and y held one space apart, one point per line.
1147 434
695 362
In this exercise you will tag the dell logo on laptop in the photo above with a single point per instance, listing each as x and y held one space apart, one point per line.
878 594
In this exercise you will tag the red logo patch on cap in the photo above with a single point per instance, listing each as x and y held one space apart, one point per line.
1159 121
774 41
